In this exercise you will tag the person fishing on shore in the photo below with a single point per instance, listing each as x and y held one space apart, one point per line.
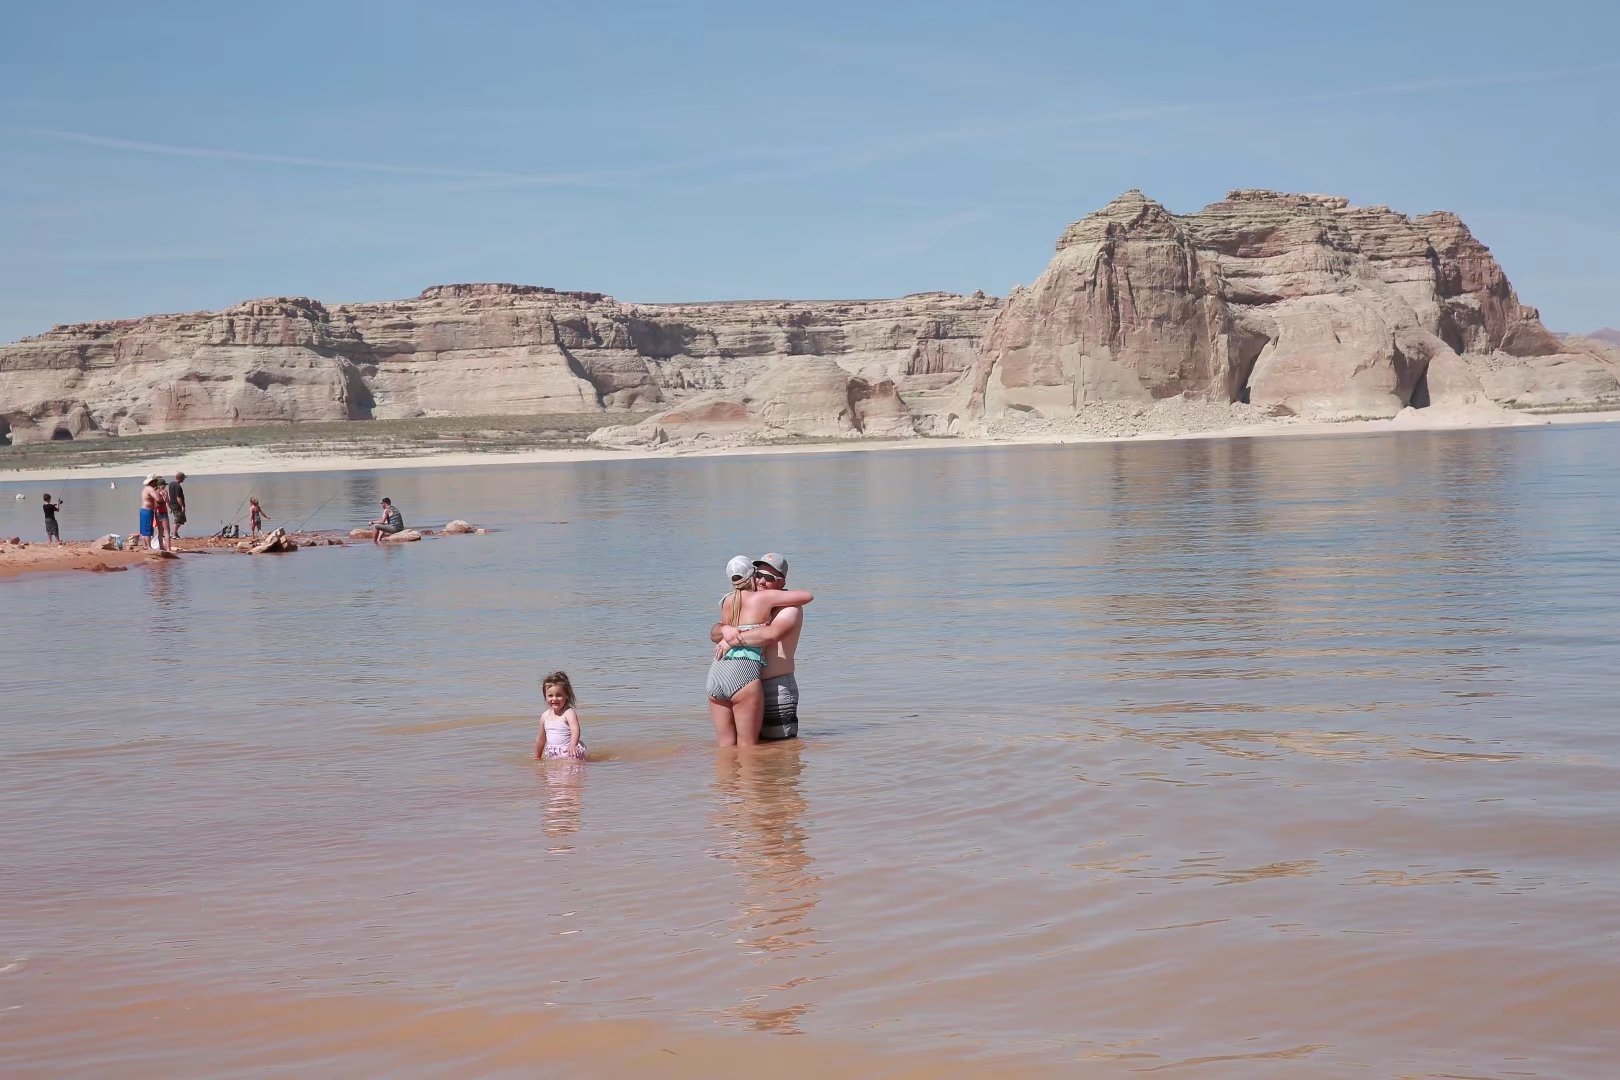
53 534
390 523
255 516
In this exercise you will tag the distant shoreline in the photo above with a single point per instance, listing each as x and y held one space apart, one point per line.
348 454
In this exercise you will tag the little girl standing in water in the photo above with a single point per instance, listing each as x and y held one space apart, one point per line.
559 724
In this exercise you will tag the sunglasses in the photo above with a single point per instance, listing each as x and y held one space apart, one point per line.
766 575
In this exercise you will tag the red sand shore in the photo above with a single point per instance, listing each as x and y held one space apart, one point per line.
29 558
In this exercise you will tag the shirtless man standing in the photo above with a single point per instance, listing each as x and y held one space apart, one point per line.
148 524
780 639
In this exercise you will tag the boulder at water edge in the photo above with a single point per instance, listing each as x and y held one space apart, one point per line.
458 526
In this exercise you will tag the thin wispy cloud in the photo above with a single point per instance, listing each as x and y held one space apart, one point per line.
857 156
754 165
442 172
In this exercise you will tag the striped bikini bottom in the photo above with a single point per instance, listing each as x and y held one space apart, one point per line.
728 676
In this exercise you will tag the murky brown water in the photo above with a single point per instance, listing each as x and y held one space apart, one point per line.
1234 759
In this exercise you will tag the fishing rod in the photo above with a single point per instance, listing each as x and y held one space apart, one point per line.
237 513
300 526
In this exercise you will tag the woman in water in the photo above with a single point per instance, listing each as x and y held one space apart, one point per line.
736 695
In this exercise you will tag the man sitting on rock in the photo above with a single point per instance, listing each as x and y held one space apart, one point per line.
392 522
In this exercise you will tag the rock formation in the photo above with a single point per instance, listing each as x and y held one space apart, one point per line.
1298 304
484 350
1301 304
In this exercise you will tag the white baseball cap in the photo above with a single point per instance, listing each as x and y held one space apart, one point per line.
740 566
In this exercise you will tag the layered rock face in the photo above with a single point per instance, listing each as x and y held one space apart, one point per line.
1302 304
813 368
1298 304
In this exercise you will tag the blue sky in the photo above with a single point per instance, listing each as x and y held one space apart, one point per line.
177 156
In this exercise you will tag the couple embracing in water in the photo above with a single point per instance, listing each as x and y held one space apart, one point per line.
753 695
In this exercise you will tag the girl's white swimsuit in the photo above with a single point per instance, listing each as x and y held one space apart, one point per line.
557 736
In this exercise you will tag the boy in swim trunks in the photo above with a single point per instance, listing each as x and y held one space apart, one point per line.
53 534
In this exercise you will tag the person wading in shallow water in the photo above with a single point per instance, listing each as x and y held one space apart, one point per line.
735 684
390 523
780 640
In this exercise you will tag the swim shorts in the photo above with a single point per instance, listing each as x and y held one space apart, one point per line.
728 676
781 708
146 521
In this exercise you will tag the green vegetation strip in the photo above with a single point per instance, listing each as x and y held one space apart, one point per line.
366 438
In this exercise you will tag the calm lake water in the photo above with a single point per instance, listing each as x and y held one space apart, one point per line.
1249 758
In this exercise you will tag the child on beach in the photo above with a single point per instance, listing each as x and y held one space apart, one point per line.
53 532
559 724
255 516
160 515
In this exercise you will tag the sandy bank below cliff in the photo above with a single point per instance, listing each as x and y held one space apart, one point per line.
1116 422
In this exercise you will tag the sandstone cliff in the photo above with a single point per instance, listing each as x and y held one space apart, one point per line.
821 368
1296 304
1301 304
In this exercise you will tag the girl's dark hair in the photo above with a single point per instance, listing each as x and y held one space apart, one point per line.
559 678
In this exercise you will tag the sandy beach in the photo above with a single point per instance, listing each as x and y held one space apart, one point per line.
38 558
250 460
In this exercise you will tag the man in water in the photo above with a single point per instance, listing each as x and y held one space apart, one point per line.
780 639
177 502
390 523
